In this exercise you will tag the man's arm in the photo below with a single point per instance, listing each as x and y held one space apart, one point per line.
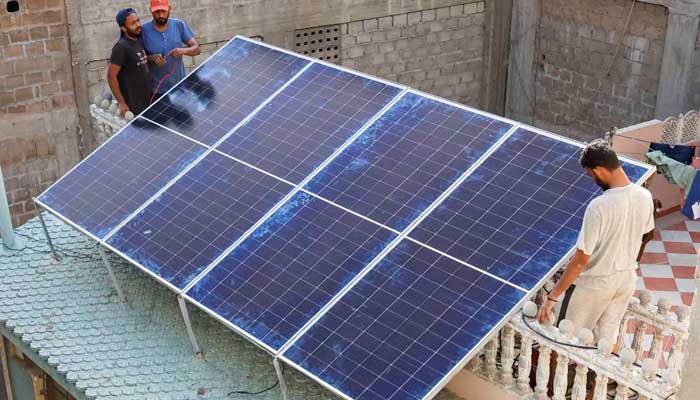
576 266
645 239
191 50
112 73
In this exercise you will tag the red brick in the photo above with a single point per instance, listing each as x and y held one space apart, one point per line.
19 36
4 39
39 33
34 78
34 49
24 94
6 67
36 4
58 31
56 45
42 146
35 65
17 109
54 3
49 89
6 98
32 19
14 51
53 17
14 81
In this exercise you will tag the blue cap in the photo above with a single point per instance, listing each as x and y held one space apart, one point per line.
123 14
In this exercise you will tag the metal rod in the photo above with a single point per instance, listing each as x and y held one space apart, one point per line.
188 325
46 231
280 377
115 281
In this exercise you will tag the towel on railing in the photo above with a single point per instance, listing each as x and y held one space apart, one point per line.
676 172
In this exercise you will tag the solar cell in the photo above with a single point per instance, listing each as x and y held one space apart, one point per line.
120 176
289 268
407 159
405 326
223 91
307 121
197 218
518 214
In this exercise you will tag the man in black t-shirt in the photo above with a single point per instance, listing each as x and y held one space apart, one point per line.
128 74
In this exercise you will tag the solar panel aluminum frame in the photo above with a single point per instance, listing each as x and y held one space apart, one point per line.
497 328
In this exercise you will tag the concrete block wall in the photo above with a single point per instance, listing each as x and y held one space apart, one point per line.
576 45
38 115
438 50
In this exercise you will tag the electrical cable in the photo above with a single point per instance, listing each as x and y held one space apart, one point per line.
259 392
166 76
522 314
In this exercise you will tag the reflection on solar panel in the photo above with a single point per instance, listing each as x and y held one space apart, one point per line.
408 158
420 227
281 276
222 92
404 327
120 176
519 213
308 121
197 218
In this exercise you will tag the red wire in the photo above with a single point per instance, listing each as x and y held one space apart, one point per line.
166 76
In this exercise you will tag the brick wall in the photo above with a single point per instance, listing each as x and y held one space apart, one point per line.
577 41
37 105
436 50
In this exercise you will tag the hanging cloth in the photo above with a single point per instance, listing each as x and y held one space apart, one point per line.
676 172
681 153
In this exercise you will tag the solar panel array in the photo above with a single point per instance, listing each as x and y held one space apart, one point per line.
371 236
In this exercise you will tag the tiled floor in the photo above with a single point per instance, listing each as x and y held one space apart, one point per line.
669 261
668 266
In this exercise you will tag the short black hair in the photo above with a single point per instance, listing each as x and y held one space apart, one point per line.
598 153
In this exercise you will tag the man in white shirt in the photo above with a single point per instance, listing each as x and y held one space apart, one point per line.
616 227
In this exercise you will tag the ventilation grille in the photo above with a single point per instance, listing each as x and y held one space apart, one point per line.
322 42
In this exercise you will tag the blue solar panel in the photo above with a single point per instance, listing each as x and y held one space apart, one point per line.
306 122
197 218
407 159
222 92
120 176
404 327
289 268
519 213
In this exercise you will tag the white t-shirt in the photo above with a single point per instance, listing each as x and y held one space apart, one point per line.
613 227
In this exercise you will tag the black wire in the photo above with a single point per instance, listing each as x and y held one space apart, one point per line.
65 252
553 340
669 396
260 392
255 393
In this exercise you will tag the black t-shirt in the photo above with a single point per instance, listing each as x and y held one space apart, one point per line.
134 78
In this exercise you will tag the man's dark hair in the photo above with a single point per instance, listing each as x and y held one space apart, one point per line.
598 153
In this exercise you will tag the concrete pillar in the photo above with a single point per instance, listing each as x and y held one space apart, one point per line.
690 384
520 92
496 46
673 97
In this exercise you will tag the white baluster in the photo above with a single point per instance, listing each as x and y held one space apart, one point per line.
675 355
578 392
663 307
622 392
507 354
622 334
524 365
601 387
543 372
638 341
561 377
490 365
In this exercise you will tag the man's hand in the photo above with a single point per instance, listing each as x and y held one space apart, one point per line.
177 52
123 108
545 311
157 59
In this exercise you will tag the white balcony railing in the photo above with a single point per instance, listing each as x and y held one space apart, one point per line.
641 370
106 119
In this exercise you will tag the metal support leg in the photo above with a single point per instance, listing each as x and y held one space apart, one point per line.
113 277
280 378
188 325
46 232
